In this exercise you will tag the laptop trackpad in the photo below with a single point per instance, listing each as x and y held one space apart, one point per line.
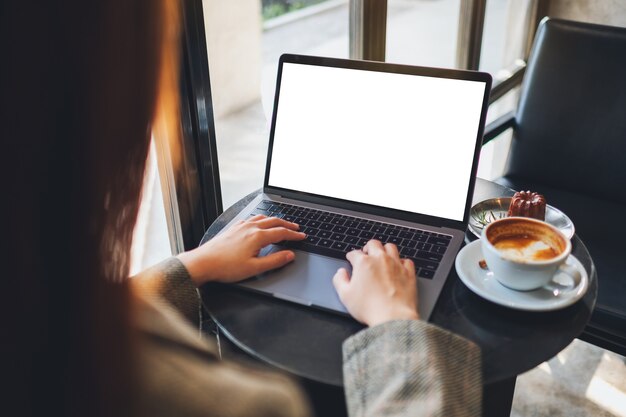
307 280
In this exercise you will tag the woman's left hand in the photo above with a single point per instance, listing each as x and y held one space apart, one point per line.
233 255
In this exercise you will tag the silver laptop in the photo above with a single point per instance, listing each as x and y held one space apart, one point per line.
365 150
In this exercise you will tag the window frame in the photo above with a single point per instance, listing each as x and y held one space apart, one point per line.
191 190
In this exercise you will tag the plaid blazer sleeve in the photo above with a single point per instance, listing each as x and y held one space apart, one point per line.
169 281
411 368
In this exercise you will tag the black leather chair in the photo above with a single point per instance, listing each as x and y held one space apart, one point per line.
569 143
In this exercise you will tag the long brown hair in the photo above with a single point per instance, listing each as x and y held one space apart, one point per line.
78 87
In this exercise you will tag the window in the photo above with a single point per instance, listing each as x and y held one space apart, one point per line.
422 33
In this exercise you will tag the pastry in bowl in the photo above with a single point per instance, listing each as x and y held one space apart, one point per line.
528 204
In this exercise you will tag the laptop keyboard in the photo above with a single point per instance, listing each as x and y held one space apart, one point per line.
334 235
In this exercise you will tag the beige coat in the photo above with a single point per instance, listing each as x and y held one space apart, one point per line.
400 368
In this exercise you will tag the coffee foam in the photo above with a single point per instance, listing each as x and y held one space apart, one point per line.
530 250
525 240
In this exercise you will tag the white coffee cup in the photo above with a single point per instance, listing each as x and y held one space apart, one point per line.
525 254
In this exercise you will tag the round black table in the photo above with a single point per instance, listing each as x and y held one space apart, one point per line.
307 342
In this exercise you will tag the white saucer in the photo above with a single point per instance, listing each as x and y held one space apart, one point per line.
562 292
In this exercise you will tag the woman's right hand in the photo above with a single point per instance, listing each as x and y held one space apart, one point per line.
382 286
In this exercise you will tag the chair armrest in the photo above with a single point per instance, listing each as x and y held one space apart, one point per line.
498 126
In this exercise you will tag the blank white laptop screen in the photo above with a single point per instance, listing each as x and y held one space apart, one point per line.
399 141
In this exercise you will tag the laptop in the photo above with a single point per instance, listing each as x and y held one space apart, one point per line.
364 150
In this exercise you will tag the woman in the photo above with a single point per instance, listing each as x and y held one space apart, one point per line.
80 88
